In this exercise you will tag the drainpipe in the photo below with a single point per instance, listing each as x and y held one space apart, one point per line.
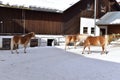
1 23
94 17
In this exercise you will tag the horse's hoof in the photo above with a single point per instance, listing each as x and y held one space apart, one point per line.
107 52
82 53
75 48
88 53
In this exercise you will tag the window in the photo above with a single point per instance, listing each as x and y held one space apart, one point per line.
89 7
103 8
0 2
85 30
92 30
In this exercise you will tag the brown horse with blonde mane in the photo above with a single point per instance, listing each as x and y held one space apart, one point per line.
102 41
21 39
75 39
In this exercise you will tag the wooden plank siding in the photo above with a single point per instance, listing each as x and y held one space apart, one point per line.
39 22
72 19
113 29
11 20
43 22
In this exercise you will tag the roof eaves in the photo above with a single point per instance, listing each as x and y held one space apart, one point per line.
46 9
35 9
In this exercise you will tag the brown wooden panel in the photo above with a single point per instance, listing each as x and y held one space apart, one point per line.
113 29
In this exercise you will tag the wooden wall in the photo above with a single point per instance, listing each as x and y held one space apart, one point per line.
11 20
43 22
71 19
16 20
113 29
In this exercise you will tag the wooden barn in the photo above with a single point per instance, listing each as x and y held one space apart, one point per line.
52 21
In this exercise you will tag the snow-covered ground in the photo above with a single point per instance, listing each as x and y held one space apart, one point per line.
54 63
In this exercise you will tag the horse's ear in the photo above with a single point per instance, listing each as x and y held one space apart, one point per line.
118 36
33 34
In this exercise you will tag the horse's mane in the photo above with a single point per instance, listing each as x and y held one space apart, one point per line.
31 34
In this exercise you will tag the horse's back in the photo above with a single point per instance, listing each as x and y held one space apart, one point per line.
91 40
82 37
76 38
71 38
103 40
97 40
16 38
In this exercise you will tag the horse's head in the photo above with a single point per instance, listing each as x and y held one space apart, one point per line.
117 36
32 34
114 37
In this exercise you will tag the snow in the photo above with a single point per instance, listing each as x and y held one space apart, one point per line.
50 4
54 63
118 0
107 19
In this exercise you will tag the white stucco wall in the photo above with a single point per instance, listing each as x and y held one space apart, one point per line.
44 38
1 39
88 22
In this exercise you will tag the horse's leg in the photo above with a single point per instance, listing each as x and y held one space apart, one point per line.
16 48
89 49
12 50
25 46
65 46
84 49
104 49
25 49
12 45
75 45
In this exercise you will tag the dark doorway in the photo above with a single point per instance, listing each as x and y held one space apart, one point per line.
6 43
49 42
102 31
33 42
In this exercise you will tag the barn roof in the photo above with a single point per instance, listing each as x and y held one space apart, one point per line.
50 5
110 18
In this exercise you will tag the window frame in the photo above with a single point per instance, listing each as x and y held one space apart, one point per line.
85 30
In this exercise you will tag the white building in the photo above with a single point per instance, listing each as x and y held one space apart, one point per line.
87 26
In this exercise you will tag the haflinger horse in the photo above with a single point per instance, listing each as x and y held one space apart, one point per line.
75 39
102 41
21 39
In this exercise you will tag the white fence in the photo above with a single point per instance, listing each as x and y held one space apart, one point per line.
50 40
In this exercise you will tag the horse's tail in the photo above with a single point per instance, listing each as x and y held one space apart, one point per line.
12 45
106 40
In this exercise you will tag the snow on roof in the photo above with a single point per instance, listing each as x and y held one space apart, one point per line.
118 0
60 5
109 18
